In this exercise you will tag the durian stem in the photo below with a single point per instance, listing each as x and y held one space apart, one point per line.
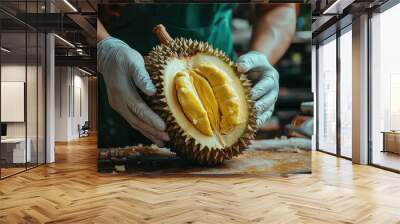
162 34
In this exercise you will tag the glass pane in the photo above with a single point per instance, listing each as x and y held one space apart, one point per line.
385 84
41 99
313 82
32 84
327 97
13 86
346 94
31 97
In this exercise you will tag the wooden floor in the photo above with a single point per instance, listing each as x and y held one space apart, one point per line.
71 191
387 159
10 171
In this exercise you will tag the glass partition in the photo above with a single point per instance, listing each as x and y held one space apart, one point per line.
327 96
32 96
14 151
41 91
385 89
346 93
22 92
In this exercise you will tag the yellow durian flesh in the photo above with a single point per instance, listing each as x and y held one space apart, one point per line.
176 116
191 103
226 96
207 98
206 91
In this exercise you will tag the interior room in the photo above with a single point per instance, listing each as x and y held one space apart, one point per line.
25 68
331 140
385 123
335 80
22 103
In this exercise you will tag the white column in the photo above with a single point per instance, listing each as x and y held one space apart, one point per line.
50 99
50 92
62 103
360 90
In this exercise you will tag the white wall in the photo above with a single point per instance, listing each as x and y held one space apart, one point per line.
61 103
81 84
71 93
33 127
12 73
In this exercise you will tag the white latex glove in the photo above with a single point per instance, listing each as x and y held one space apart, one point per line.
123 70
265 92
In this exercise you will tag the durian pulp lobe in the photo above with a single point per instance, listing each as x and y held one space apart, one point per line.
227 99
191 103
206 95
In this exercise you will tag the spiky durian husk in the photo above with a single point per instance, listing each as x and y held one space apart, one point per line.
183 144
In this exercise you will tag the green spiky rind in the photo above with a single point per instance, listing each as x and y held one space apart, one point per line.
184 145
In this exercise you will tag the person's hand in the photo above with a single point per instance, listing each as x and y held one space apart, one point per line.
265 92
123 70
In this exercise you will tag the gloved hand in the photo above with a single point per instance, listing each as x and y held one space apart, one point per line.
123 70
265 92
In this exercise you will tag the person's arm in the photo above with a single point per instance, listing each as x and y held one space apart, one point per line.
273 29
101 31
124 74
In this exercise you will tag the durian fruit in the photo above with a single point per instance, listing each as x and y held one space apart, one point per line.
203 99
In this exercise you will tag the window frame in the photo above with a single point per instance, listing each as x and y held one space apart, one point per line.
335 36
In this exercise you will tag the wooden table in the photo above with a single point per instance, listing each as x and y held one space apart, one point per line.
391 141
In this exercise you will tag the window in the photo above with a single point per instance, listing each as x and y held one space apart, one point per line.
385 89
327 96
346 93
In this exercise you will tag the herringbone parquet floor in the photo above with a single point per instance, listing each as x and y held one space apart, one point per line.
71 191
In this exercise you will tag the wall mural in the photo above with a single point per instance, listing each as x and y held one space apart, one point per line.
209 89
